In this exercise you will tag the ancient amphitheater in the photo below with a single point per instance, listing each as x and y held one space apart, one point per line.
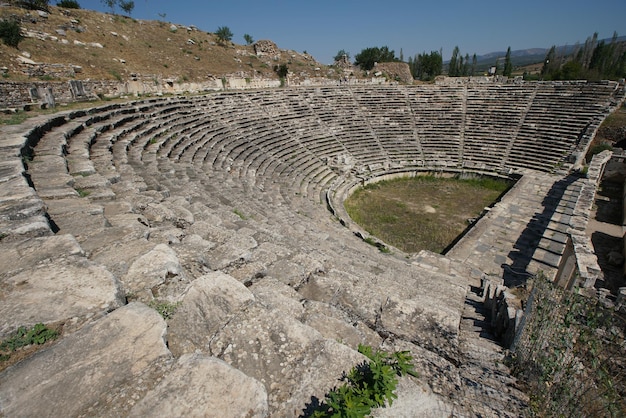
230 205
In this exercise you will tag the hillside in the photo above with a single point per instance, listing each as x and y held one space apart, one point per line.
93 45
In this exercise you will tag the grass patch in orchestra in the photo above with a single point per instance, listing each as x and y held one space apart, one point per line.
423 212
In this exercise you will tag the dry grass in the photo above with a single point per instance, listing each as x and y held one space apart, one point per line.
423 212
616 119
148 47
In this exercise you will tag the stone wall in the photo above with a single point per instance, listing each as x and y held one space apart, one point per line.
586 260
18 94
266 48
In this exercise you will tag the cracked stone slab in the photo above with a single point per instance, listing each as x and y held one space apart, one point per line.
56 290
202 386
292 360
83 367
211 301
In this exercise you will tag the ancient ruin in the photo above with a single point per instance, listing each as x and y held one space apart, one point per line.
227 208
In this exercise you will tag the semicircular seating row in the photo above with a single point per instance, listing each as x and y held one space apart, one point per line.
302 139
297 134
126 180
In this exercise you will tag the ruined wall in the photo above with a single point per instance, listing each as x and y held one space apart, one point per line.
18 94
395 71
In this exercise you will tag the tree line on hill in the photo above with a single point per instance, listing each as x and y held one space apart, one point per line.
424 66
595 60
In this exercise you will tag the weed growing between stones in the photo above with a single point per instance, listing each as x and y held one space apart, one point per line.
37 335
381 247
368 385
164 308
240 214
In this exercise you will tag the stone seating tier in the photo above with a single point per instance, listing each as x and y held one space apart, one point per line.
218 203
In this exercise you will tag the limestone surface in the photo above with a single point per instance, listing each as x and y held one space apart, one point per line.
215 210
201 386
67 378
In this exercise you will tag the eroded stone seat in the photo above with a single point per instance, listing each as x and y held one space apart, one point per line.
219 203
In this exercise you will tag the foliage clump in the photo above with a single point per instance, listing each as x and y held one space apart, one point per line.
369 385
126 5
32 4
224 34
10 32
282 70
595 60
369 56
68 4
37 335
425 66
164 308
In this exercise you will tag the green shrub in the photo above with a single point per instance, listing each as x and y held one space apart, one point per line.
68 4
116 74
597 149
10 32
33 4
368 385
164 308
38 334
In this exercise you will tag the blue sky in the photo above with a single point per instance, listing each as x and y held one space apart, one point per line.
323 27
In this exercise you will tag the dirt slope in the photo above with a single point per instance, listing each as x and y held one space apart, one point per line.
109 46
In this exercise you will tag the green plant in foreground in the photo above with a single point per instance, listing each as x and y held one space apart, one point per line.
368 385
164 308
240 214
83 193
38 334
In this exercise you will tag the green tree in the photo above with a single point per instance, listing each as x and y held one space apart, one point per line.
508 67
474 64
68 4
248 38
465 66
426 66
453 65
10 32
596 60
369 56
550 64
571 70
340 54
127 6
282 70
33 4
223 34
